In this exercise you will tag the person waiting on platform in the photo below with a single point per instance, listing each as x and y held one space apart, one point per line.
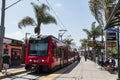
5 60
85 56
110 64
78 57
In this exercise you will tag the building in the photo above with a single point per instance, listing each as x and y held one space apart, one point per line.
14 49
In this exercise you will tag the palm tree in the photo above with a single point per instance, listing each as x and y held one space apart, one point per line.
68 41
96 10
107 6
101 9
84 43
41 16
94 32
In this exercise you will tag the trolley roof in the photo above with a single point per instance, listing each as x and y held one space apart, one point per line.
45 37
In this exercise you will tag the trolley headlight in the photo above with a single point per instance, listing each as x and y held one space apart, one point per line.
43 60
30 60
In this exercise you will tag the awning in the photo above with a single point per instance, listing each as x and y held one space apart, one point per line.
114 19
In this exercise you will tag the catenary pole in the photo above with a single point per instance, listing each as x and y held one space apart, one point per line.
2 29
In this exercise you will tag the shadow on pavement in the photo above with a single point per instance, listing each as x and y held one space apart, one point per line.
71 68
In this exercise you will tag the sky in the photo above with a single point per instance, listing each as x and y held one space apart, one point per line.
72 15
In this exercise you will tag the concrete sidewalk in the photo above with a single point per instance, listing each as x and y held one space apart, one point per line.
86 70
13 70
90 71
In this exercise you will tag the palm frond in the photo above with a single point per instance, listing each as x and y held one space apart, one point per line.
84 42
41 16
87 31
68 41
49 19
89 34
93 26
26 21
96 11
40 11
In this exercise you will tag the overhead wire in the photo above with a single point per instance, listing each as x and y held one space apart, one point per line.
58 17
56 14
13 4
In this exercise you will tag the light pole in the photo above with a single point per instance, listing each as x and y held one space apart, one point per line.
2 29
62 32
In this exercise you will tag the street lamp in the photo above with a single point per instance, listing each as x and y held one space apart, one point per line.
2 28
62 32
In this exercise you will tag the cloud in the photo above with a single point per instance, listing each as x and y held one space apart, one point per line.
15 35
58 5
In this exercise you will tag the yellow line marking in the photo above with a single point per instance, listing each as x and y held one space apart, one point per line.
17 71
55 74
13 72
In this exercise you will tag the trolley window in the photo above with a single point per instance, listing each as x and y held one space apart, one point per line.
38 48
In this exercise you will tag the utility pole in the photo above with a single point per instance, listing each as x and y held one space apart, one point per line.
62 32
2 29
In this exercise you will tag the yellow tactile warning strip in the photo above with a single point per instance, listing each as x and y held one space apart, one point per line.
55 74
21 70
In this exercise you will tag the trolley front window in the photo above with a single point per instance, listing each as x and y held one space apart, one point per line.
38 48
